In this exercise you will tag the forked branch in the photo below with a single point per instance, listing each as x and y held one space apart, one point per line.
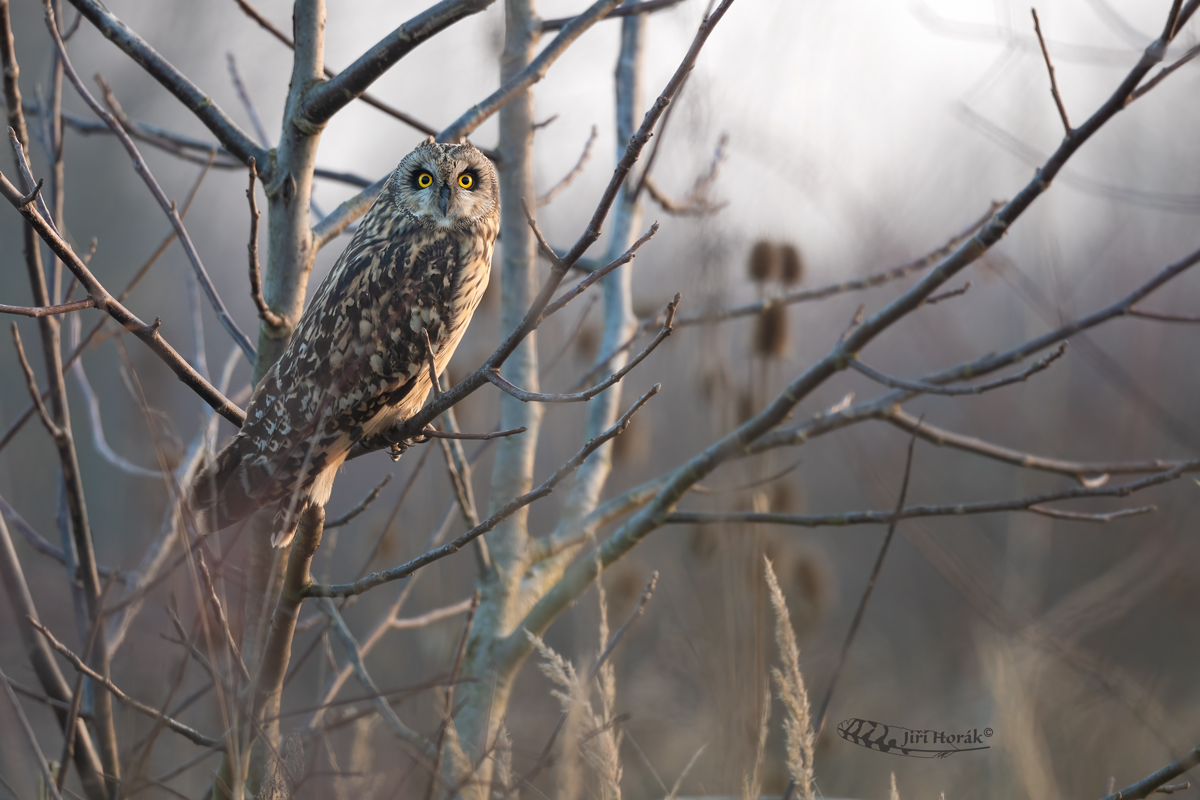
407 569
929 388
199 103
147 333
587 394
264 311
185 731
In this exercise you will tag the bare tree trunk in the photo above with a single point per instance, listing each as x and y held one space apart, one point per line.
290 256
512 475
619 320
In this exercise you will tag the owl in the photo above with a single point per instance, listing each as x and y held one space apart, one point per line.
356 363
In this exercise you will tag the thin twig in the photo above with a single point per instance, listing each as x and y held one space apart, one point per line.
858 284
210 592
184 730
35 191
575 172
70 727
678 208
1089 473
866 596
448 705
47 777
436 434
1160 317
587 394
147 333
929 388
596 275
48 311
243 95
952 510
168 207
949 293
362 506
354 654
1058 101
627 10
506 511
1165 72
264 311
1147 785
87 340
55 431
197 101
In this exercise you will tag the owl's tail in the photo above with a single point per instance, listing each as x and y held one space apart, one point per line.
222 492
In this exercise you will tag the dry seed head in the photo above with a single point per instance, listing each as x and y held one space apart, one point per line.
771 331
764 262
791 265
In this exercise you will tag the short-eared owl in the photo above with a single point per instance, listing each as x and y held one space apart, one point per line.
356 362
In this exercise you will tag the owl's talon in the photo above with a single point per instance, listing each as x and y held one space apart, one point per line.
396 450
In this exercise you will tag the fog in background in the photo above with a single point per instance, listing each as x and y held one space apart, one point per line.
865 133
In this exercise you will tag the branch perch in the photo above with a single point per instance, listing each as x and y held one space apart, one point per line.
407 569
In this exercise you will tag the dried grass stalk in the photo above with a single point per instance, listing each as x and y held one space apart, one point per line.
797 725
752 783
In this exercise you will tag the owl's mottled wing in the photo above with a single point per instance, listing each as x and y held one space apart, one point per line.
356 361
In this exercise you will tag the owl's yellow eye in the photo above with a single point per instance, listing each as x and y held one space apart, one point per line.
466 181
424 180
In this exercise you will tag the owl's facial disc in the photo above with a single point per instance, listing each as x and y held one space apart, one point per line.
446 186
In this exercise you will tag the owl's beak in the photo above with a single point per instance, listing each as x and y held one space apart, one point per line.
445 199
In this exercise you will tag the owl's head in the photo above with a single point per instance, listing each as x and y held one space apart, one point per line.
447 186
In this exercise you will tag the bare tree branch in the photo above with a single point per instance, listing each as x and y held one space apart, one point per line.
27 729
953 510
588 394
362 505
1148 785
575 172
407 569
1087 472
1058 101
48 311
628 10
183 730
354 655
858 284
475 116
598 274
929 388
264 311
58 694
325 99
160 196
365 97
736 443
227 132
27 414
1160 317
147 333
